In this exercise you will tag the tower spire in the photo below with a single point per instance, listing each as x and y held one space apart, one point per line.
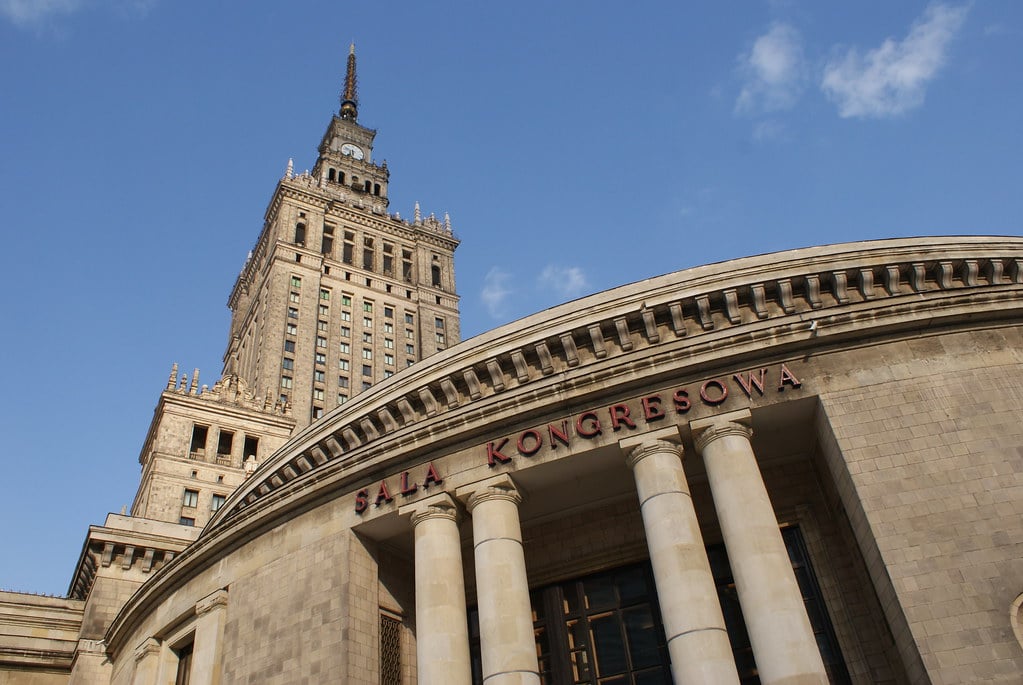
349 98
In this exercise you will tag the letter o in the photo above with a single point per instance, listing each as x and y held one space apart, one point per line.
713 401
537 443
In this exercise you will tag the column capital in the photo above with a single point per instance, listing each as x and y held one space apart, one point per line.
500 487
210 602
706 431
636 447
150 646
439 506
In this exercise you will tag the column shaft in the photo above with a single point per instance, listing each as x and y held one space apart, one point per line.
208 643
693 624
779 630
506 623
442 637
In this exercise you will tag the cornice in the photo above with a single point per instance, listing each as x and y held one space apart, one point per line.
778 304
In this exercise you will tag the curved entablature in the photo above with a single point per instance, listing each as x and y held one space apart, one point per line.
811 296
729 314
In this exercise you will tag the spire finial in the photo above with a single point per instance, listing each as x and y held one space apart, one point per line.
417 214
349 97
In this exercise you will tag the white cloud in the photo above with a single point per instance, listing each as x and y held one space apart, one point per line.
28 12
768 131
495 291
892 79
25 13
773 71
566 282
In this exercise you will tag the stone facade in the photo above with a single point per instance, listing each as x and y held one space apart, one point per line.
801 467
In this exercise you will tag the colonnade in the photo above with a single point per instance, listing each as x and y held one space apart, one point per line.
782 639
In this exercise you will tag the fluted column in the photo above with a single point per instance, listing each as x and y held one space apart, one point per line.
442 636
779 630
208 644
502 592
693 624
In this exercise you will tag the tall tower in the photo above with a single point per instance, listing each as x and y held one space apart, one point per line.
338 294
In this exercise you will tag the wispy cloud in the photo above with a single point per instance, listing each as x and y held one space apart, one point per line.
892 79
566 282
36 13
495 291
32 12
773 71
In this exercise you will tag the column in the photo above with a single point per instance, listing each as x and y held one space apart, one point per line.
442 634
147 662
693 624
506 622
779 630
208 643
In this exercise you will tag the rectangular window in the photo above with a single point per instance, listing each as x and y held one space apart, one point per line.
288 363
343 364
294 297
318 376
186 521
410 349
317 394
346 332
388 373
342 381
389 343
291 329
292 313
345 348
439 323
225 442
347 250
346 301
410 334
289 345
388 312
321 358
367 307
388 328
389 359
342 398
217 502
251 446
367 353
367 337
317 412
440 338
296 282
190 498
367 322
367 370
322 342
346 316
324 310
408 319
285 381
366 385
324 294
321 325
410 362
198 446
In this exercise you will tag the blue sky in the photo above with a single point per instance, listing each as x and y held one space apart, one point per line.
576 147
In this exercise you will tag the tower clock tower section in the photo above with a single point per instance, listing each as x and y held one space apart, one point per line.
339 294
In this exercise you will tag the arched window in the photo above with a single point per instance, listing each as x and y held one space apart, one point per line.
341 177
331 175
376 189
368 187
300 233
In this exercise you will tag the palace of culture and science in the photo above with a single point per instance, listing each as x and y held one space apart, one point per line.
336 295
799 467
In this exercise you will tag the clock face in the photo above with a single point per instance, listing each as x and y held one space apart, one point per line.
353 150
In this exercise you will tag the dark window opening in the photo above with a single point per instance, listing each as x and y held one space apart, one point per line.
367 259
184 654
435 275
199 435
327 246
331 175
341 177
251 446
224 443
376 189
367 186
300 234
390 651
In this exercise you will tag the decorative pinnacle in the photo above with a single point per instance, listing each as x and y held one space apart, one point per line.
349 97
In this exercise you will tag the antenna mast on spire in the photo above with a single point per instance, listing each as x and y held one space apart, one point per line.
349 98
